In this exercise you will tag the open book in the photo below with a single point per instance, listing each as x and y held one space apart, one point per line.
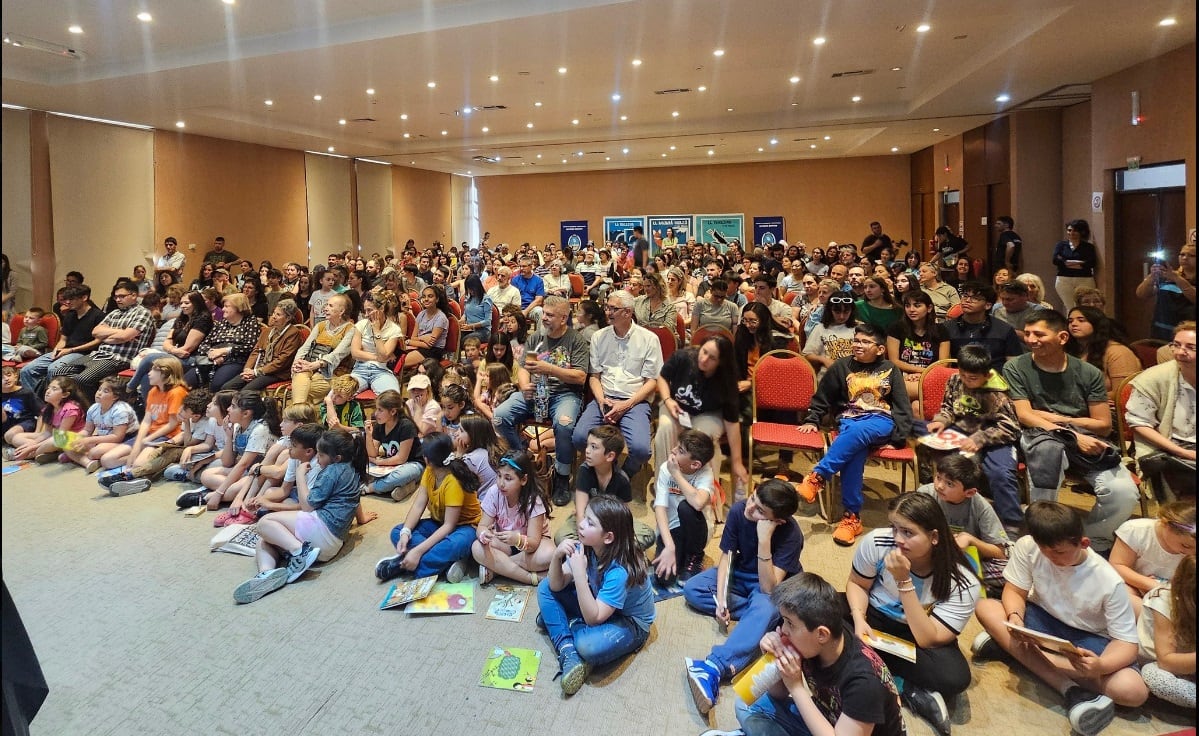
1045 641
945 440
892 645
407 591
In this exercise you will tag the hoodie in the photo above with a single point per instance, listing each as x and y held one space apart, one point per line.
987 414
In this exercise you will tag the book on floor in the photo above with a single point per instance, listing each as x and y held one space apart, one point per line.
509 603
238 539
199 457
901 648
379 471
446 598
1043 640
406 591
509 668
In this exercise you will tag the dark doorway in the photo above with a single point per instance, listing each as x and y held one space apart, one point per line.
951 214
1146 221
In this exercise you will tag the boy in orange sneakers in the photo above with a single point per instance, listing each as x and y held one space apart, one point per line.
868 394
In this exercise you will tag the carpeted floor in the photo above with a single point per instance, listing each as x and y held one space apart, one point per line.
134 622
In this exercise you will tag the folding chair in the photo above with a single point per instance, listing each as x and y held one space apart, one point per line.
1125 436
783 381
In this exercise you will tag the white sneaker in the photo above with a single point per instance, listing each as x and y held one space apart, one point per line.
458 572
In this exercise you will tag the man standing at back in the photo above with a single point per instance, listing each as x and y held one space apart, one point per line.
218 256
1006 252
640 247
173 260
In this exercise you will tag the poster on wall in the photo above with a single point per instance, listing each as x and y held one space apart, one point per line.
574 234
620 229
720 229
668 231
768 230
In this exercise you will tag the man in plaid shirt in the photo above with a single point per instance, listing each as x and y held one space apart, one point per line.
122 333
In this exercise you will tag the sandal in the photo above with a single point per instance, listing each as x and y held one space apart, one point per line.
485 576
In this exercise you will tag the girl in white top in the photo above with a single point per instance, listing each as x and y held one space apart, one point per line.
833 337
1147 551
377 340
109 422
251 429
1166 631
514 533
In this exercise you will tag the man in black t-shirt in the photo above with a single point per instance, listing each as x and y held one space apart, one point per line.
79 317
640 247
1006 253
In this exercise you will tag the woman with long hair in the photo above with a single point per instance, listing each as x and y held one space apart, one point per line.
677 294
378 338
589 318
877 307
833 337
432 328
252 289
1096 339
163 281
514 330
916 340
651 309
204 280
191 327
756 335
476 310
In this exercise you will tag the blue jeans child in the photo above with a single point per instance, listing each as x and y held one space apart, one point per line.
748 605
455 546
596 645
856 437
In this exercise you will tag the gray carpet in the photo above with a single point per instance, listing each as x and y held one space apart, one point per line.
137 632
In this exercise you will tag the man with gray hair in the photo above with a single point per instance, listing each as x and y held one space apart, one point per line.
503 293
625 361
550 384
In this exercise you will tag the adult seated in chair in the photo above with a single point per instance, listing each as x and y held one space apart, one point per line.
625 361
1062 404
75 341
551 381
122 334
1161 412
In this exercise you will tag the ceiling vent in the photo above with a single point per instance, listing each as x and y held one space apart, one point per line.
492 107
802 140
706 145
16 40
853 73
485 160
675 91
362 120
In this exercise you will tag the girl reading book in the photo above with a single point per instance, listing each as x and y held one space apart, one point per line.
514 535
393 446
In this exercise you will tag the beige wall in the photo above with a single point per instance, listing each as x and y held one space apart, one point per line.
1167 133
821 200
1036 146
421 206
18 212
252 195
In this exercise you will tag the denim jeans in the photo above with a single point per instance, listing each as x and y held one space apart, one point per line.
141 375
856 437
455 546
34 374
379 379
634 426
747 604
596 645
769 716
564 414
408 472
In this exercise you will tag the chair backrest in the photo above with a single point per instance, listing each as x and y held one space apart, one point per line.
680 327
1123 431
1146 351
707 332
451 339
932 386
667 338
789 297
577 285
50 324
495 319
456 308
783 381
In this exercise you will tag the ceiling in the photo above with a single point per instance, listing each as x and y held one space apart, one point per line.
211 65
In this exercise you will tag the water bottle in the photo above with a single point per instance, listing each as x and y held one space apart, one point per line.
541 389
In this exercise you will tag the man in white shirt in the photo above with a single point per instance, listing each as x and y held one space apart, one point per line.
504 293
173 260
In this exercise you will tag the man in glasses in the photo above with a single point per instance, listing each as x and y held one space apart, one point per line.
976 326
1164 429
867 394
624 364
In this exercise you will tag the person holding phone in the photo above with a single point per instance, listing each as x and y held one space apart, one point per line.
1172 291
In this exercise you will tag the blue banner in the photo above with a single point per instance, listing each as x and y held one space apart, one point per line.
574 234
620 229
768 230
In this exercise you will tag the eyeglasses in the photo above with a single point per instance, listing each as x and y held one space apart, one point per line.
122 296
865 343
1184 348
843 300
613 307
973 297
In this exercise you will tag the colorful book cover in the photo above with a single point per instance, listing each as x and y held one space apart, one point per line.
509 603
946 439
509 668
379 471
406 591
15 468
447 598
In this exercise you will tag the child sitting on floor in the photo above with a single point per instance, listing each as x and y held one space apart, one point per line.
1147 551
202 437
340 408
19 407
268 473
600 473
64 410
250 430
1167 633
109 422
513 538
161 458
393 446
684 487
597 604
477 443
160 424
317 531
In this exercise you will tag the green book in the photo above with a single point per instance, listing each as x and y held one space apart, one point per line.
509 668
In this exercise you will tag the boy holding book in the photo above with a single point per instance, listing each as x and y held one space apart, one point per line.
977 405
1057 585
684 487
759 549
828 676
599 473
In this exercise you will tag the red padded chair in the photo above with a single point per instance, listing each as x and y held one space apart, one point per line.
456 308
451 342
783 381
681 327
932 386
789 297
577 287
1125 436
1146 351
667 338
707 332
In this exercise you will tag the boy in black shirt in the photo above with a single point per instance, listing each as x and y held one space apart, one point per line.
600 473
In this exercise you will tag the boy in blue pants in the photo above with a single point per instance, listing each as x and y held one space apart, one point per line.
869 395
760 546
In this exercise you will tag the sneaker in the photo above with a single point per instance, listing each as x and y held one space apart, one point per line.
301 561
458 572
403 492
811 486
129 487
191 498
1089 712
364 489
540 623
92 467
984 648
46 458
562 494
930 706
388 568
267 581
704 679
693 567
848 530
108 481
176 473
574 671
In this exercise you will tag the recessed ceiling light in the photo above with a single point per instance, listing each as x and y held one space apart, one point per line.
607 158
811 145
145 17
828 137
407 135
894 149
561 70
794 80
494 77
674 114
896 68
819 40
672 148
624 117
317 98
445 132
574 121
936 130
467 110
923 28
486 129
636 62
539 155
229 2
536 104
499 158
616 98
624 150
75 29
403 116
563 160
728 109
580 153
528 125
331 149
341 122
718 52
711 152
701 88
180 124
857 98
774 141
760 149
1003 98
664 155
1164 22
370 90
431 85
468 172
268 103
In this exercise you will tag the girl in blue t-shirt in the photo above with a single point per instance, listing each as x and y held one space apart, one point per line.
596 604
